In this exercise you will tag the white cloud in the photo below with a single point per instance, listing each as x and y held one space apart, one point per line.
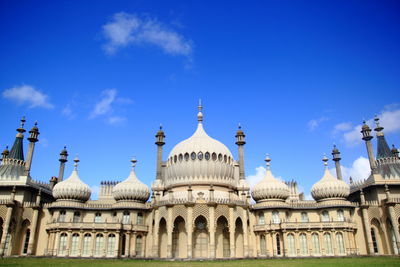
128 29
27 94
257 177
115 120
359 170
314 123
342 127
104 105
389 118
68 112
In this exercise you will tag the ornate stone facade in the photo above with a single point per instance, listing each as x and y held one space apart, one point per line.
200 207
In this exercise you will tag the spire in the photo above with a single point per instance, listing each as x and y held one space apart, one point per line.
34 133
267 161
200 114
160 137
240 136
17 151
383 150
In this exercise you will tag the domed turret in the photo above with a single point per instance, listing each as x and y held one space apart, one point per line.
131 188
270 188
72 188
200 159
329 187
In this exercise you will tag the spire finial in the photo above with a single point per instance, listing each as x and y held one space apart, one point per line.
267 160
200 114
378 128
160 126
239 126
23 122
76 160
325 160
133 160
21 129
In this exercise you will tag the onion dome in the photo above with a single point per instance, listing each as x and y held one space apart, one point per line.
131 188
34 133
200 159
72 188
270 188
329 187
5 153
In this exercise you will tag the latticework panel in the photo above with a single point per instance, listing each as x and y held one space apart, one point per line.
200 209
179 210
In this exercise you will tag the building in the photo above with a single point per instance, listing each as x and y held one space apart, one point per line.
200 207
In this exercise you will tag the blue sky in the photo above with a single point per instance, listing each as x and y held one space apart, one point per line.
101 76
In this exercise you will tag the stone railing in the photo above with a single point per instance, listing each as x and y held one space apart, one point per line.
305 204
305 226
103 226
97 206
182 201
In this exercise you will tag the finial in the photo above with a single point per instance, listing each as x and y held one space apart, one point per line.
200 114
160 126
239 126
378 128
267 160
23 122
76 160
325 160
133 160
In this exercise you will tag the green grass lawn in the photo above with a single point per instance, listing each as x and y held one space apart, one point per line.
337 262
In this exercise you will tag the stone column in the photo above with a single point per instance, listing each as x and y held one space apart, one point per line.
117 243
189 227
245 235
170 228
273 247
93 240
32 238
128 244
80 244
6 230
367 225
155 233
212 232
133 250
395 226
258 245
232 227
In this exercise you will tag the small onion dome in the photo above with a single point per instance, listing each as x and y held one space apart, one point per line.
329 186
270 188
72 188
131 188
5 152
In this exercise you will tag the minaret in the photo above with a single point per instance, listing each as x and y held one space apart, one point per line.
383 150
33 138
366 132
17 151
63 159
160 141
5 153
336 159
240 142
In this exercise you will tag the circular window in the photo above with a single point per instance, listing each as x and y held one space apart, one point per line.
186 156
200 155
207 156
214 156
220 157
175 158
193 156
180 157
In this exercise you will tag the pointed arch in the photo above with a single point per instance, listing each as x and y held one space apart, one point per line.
162 238
222 238
179 238
200 237
239 239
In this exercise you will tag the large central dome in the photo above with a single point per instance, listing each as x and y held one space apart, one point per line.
200 159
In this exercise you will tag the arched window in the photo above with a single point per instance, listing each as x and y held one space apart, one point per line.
275 217
278 245
374 243
138 248
200 155
291 247
74 244
220 157
304 217
328 244
207 156
110 245
77 217
261 218
325 216
87 239
26 241
186 156
180 157
303 244
340 243
315 244
62 246
126 217
139 218
340 215
175 158
99 245
97 217
193 156
214 156
225 159
61 217
263 245
123 245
